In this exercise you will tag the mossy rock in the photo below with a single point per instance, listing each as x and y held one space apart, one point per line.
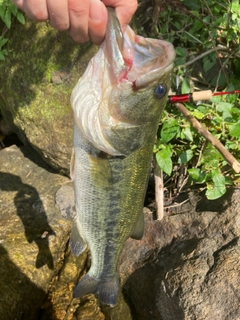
37 77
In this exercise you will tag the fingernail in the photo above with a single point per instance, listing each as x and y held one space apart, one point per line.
95 11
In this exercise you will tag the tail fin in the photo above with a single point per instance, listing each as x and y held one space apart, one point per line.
107 291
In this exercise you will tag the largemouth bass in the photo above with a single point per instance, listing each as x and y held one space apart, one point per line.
117 104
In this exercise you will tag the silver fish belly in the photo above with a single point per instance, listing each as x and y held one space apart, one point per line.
117 105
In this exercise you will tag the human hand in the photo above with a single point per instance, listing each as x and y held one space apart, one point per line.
85 19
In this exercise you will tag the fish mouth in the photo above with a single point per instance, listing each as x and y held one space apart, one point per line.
151 58
138 60
114 103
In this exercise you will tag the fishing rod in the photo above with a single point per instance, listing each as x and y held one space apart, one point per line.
198 95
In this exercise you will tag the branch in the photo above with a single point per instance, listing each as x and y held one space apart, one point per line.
219 48
209 137
159 190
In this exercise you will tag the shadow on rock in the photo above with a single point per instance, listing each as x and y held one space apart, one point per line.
218 205
32 155
31 211
22 299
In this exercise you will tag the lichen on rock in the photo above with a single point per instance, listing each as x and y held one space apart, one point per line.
37 78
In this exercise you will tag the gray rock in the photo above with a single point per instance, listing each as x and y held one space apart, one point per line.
187 265
33 233
37 78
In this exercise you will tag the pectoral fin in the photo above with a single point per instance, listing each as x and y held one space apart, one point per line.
138 230
77 244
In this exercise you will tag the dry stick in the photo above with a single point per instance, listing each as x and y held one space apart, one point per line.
220 48
159 190
209 137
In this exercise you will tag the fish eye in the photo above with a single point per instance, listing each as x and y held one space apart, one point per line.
160 91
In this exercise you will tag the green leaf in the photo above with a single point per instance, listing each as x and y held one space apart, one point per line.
188 134
224 106
2 57
194 173
235 9
218 189
192 5
182 52
220 81
185 86
235 110
13 9
210 157
164 160
3 41
198 114
7 19
169 130
20 17
2 11
185 156
208 62
234 130
197 175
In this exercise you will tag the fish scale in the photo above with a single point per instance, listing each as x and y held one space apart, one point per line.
115 123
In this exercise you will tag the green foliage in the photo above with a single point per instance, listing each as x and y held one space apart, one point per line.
180 144
7 12
206 35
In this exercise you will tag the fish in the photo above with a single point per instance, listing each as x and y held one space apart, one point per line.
116 105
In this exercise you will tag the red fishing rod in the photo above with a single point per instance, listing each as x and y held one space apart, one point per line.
198 95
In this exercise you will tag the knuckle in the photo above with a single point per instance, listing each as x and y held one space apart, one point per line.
38 15
61 26
79 37
78 10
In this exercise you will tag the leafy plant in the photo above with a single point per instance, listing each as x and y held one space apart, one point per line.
206 36
179 144
8 10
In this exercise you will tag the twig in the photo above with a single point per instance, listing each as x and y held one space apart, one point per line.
176 204
220 48
183 184
190 35
232 161
159 190
200 154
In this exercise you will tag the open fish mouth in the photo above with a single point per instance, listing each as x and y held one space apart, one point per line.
136 59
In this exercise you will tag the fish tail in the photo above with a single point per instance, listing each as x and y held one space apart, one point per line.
107 290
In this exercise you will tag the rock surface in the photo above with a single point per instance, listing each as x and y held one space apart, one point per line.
187 265
33 234
37 78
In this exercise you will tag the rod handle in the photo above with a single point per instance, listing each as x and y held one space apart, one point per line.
202 95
